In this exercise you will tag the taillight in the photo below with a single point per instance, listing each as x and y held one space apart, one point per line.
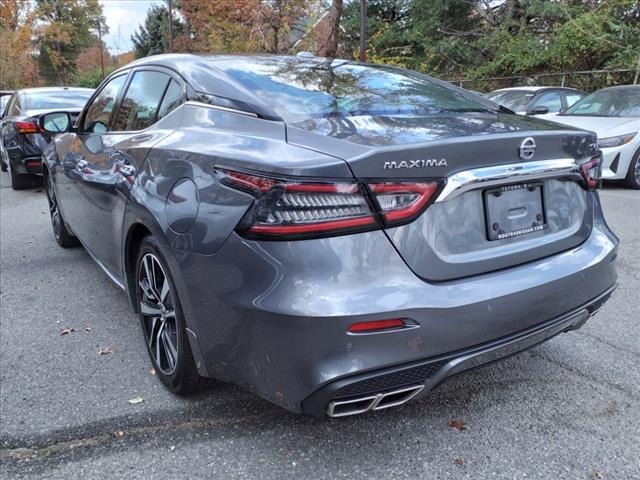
301 209
402 202
591 171
27 127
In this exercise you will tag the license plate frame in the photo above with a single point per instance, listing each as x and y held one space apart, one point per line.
514 210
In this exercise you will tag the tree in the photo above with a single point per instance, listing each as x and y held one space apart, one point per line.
64 28
329 47
152 38
17 65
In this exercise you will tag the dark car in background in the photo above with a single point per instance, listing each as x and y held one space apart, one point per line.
22 139
336 237
543 102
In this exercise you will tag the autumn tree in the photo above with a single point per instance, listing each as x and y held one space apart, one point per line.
64 29
17 66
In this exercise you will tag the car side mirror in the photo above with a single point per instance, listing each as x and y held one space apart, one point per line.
55 122
563 111
539 110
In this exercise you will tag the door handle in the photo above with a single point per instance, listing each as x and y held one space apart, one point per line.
126 170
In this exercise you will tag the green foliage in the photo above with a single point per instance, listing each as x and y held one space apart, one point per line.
91 78
64 28
479 39
152 38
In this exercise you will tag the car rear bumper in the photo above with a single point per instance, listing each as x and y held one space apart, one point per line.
364 392
274 317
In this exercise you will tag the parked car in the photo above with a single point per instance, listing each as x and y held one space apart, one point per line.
335 237
614 114
4 99
22 140
543 102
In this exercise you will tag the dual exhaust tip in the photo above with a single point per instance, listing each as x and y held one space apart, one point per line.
378 401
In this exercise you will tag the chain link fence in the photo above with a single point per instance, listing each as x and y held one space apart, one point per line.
588 80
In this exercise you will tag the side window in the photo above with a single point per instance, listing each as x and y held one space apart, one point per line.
572 97
97 118
551 100
140 105
172 99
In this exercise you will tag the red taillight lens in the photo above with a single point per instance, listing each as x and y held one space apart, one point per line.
592 173
375 325
301 209
27 127
402 202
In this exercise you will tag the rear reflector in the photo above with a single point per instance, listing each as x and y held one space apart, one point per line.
33 163
27 127
362 327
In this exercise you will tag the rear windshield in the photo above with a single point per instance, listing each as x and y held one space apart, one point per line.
516 100
57 99
298 90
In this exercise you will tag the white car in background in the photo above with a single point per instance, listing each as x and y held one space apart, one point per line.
543 102
614 115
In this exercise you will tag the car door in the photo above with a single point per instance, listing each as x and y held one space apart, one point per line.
112 159
83 152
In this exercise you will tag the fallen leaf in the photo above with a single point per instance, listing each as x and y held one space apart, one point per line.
136 400
598 474
119 433
67 331
105 351
87 328
152 371
458 461
457 424
172 448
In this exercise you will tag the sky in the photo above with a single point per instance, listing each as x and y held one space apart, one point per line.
123 18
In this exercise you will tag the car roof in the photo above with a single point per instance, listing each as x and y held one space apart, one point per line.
532 89
623 87
55 89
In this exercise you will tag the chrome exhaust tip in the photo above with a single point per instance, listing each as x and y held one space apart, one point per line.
379 401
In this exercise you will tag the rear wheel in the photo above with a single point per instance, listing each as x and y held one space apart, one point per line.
19 181
633 175
162 322
60 232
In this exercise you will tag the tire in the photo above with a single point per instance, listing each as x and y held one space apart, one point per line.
64 238
162 321
19 181
633 175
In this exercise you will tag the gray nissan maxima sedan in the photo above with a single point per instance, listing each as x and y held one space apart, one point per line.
333 236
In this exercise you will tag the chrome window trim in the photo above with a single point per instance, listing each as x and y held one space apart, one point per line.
217 107
461 182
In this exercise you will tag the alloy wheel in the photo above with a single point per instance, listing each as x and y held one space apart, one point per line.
157 309
54 211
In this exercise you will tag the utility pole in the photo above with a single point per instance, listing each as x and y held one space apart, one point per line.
363 40
170 26
99 23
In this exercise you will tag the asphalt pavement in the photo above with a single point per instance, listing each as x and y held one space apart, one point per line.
567 409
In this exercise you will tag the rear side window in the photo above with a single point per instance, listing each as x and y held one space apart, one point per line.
99 112
14 106
172 99
141 102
